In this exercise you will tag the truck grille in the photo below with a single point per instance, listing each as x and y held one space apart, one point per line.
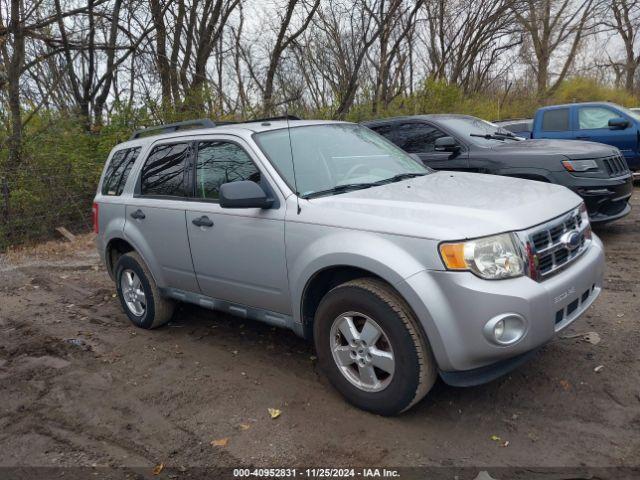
615 165
557 243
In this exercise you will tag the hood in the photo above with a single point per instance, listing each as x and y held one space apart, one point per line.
444 206
572 149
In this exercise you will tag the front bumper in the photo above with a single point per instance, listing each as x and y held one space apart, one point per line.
606 199
453 308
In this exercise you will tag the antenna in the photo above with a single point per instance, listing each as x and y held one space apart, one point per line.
293 163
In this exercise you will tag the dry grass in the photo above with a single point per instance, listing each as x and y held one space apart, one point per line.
51 250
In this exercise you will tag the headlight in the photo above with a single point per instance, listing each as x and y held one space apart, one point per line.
585 220
579 165
492 257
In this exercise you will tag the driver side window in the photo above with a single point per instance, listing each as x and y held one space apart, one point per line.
594 117
221 162
417 137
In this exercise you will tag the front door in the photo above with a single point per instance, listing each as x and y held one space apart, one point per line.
593 125
238 254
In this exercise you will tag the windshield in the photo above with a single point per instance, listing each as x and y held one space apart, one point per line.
336 155
633 113
478 131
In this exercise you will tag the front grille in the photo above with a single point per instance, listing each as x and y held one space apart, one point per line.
615 165
548 245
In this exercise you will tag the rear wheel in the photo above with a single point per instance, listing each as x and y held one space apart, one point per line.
371 348
139 295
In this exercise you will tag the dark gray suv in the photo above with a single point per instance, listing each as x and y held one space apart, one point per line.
596 172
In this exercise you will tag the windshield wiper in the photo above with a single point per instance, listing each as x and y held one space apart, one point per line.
347 187
399 177
495 136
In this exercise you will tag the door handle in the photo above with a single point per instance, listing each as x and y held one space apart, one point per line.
138 214
202 221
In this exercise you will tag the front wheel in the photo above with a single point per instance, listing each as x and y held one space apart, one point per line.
371 348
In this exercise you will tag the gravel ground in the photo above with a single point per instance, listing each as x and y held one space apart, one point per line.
80 386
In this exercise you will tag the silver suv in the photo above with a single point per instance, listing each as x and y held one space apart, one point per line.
397 273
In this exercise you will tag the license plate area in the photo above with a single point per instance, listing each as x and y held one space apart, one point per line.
572 310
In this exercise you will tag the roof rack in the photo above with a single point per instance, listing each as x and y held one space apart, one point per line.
268 119
201 123
524 119
174 127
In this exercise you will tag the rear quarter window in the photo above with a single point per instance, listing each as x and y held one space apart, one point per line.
118 171
556 120
518 127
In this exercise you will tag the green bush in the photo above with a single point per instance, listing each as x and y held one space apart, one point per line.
588 90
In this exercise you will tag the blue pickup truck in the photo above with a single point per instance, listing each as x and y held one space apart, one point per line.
601 122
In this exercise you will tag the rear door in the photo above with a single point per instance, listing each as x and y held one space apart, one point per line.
155 215
238 254
419 138
555 123
593 125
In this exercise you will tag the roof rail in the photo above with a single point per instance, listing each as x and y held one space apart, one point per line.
174 127
523 119
268 119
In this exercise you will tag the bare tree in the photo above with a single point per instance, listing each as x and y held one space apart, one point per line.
467 39
626 24
335 51
394 20
282 42
12 46
183 57
551 26
92 52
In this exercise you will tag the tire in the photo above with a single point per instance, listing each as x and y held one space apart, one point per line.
156 310
368 300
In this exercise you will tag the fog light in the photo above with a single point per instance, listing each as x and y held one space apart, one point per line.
505 329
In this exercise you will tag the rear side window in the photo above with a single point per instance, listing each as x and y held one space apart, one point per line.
164 171
221 162
118 170
556 120
518 127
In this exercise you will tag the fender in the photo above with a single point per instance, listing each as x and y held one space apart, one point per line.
133 235
382 256
365 250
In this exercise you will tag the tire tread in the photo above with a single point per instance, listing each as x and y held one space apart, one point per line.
427 367
163 307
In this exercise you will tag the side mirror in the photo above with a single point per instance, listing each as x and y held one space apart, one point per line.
243 194
446 144
618 123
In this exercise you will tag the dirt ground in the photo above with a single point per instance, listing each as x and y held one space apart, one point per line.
79 385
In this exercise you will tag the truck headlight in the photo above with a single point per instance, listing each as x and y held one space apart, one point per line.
493 258
580 165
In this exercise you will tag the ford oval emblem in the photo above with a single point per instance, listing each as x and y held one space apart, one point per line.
570 240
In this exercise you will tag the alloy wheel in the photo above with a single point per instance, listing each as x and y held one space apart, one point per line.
132 292
362 351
